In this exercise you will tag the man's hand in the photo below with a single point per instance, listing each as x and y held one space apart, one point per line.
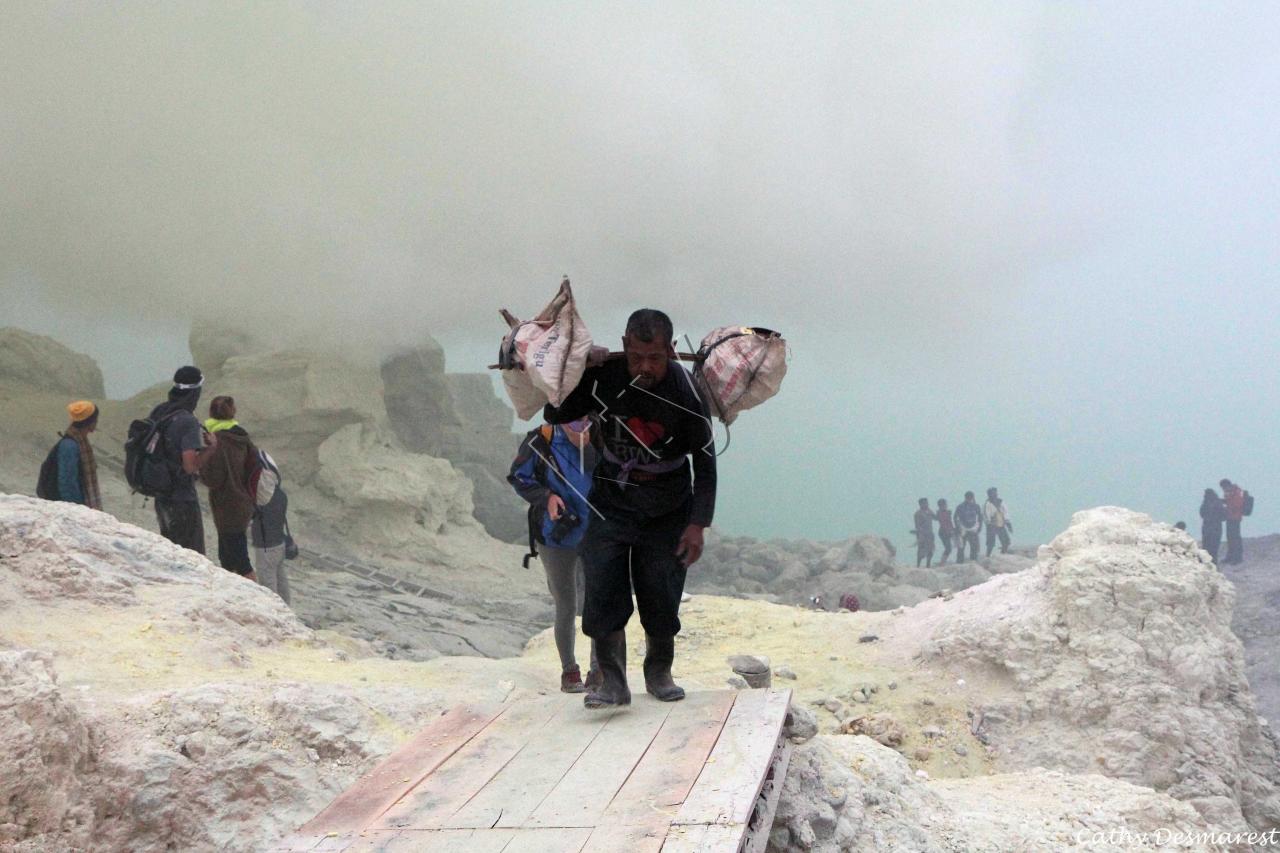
596 356
252 576
690 547
555 506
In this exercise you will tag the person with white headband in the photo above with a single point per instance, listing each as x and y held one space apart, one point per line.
184 447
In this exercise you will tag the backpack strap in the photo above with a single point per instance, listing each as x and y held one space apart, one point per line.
532 516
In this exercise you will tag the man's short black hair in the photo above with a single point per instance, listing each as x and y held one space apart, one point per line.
650 324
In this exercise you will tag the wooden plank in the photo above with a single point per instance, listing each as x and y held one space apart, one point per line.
469 769
726 790
640 837
581 797
703 838
767 803
559 840
660 782
366 800
449 841
512 795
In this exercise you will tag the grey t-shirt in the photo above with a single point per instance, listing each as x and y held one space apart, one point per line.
181 432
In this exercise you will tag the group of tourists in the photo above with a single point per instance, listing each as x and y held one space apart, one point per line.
621 481
960 528
1227 509
167 454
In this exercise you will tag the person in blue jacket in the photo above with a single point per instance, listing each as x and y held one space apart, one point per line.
553 471
77 470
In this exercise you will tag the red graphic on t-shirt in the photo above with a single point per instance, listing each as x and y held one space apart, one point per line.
649 432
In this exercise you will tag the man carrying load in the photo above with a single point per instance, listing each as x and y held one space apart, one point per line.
650 506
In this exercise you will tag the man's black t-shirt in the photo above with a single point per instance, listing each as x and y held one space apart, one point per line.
181 432
646 425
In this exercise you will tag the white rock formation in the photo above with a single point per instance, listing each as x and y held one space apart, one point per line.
388 497
1117 656
852 794
150 700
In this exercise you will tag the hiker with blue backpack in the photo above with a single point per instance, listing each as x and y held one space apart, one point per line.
553 472
225 473
69 472
163 456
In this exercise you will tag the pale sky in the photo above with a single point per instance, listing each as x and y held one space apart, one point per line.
1025 245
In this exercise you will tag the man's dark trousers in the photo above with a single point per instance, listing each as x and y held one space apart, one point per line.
621 551
181 523
1235 545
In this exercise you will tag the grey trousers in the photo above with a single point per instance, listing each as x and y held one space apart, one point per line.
564 580
271 571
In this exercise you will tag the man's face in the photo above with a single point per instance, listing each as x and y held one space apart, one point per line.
579 439
646 360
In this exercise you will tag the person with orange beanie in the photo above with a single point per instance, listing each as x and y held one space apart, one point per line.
77 469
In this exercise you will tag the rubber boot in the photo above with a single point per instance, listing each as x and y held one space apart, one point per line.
594 679
659 654
611 652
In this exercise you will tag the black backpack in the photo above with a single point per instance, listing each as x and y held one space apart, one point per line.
47 485
1247 509
145 466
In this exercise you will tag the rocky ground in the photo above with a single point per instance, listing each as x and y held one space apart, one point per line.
792 571
151 699
1257 618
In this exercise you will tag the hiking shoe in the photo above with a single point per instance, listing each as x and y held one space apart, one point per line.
571 681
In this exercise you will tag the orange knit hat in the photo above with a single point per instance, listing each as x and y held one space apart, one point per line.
81 410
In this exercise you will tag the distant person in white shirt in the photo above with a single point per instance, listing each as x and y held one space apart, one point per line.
996 512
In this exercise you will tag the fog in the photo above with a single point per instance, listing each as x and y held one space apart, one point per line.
1029 245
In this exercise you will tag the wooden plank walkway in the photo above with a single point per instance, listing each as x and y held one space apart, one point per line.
545 774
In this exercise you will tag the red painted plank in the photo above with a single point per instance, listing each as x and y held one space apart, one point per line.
369 797
455 781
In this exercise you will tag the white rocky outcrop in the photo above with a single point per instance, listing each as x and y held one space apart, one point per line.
457 416
1115 655
150 700
853 794
390 498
